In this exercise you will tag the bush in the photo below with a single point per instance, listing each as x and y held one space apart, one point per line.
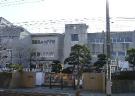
17 67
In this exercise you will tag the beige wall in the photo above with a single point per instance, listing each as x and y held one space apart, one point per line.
23 79
5 79
94 82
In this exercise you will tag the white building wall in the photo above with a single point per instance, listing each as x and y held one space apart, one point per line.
16 41
80 30
48 46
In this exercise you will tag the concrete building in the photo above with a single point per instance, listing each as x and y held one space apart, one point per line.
74 34
4 22
15 42
46 47
120 42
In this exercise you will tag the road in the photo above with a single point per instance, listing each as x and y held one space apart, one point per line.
68 91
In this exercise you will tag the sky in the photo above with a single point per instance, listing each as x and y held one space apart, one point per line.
59 12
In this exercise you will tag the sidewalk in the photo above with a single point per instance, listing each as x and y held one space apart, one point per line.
68 91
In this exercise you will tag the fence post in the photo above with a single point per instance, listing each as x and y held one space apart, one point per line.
74 83
61 83
50 81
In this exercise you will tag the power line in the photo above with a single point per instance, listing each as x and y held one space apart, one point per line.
57 25
17 2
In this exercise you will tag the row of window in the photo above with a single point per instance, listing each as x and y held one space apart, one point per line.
43 54
114 54
43 41
48 54
113 40
119 53
36 54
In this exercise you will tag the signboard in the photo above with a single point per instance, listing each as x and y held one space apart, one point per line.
123 64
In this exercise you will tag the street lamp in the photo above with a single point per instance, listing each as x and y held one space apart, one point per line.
108 51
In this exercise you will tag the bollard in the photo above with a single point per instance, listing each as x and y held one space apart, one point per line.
50 83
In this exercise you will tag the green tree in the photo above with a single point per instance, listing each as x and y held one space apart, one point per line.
17 67
68 70
131 56
100 62
79 56
56 66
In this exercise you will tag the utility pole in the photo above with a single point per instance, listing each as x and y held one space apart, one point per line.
108 51
103 47
11 55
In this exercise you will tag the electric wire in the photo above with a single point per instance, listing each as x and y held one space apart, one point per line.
119 23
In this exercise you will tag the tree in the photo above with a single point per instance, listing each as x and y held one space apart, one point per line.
79 56
31 57
17 67
68 70
5 45
100 62
56 66
21 53
131 56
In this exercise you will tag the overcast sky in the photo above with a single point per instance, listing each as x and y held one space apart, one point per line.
58 9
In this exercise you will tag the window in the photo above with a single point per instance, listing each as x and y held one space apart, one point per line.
120 53
34 41
97 40
48 54
120 40
127 39
38 53
74 37
33 54
41 42
114 40
52 41
51 54
113 53
45 42
91 40
101 40
38 41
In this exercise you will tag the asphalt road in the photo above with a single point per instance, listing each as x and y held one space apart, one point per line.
68 91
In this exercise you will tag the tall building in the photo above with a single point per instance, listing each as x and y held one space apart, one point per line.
74 34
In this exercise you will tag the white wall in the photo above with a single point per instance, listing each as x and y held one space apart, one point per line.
40 78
